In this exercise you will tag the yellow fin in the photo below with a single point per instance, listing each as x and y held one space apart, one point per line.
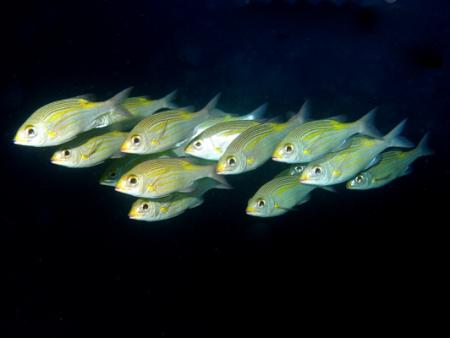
163 209
51 134
307 152
250 160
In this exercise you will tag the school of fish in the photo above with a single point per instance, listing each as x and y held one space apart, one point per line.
169 157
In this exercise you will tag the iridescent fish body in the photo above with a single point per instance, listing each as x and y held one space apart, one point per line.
280 195
170 206
255 145
342 165
160 177
165 130
393 164
90 153
63 120
314 139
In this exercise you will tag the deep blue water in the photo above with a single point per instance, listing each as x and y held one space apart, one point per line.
70 254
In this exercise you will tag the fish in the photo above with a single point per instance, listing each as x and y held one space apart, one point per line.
393 164
293 170
212 143
166 129
175 204
361 153
144 107
91 152
280 195
315 139
61 121
120 166
255 145
222 117
160 177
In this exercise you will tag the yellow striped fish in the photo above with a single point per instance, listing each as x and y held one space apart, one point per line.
255 145
393 164
361 153
175 204
212 143
165 130
280 195
222 117
144 107
120 166
314 139
160 177
61 121
92 152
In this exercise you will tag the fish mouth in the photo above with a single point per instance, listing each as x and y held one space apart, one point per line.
220 170
133 215
55 159
124 148
251 211
303 178
18 141
107 183
277 158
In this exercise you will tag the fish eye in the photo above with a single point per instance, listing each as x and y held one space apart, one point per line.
136 140
299 168
112 174
359 179
288 148
145 206
231 161
132 180
66 153
317 170
198 144
260 203
31 132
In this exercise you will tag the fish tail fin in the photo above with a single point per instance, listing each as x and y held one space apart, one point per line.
366 124
257 114
423 148
219 178
394 139
117 101
329 188
168 100
303 114
211 106
208 183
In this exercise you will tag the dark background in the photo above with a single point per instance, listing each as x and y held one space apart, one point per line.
70 256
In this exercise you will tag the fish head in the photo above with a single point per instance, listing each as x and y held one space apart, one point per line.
296 169
317 174
230 164
200 147
35 134
110 176
143 209
67 157
287 151
260 206
131 183
135 143
360 182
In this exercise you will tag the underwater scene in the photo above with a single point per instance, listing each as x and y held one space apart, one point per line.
202 168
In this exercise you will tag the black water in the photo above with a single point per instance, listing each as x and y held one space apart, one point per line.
70 256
